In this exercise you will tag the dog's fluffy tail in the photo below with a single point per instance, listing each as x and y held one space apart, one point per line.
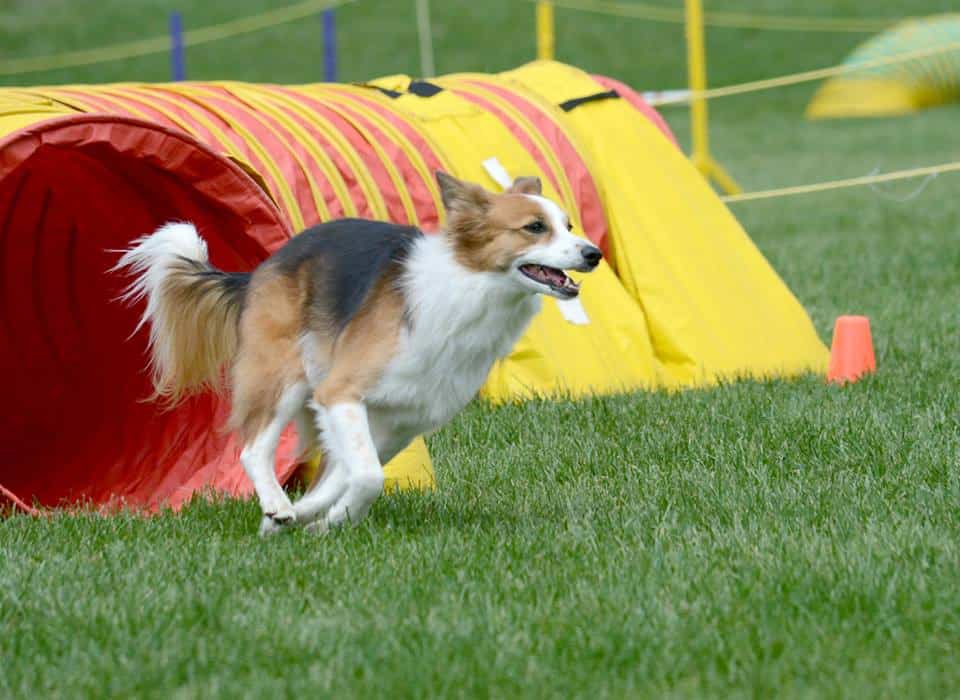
193 310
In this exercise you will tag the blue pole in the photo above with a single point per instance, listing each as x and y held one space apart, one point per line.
178 67
329 47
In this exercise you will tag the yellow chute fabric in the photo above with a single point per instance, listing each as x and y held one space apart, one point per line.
715 308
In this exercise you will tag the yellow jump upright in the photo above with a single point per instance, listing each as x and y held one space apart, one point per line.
697 72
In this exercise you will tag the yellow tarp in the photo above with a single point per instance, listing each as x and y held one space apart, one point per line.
714 306
693 300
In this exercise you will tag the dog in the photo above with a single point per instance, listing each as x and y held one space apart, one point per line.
364 334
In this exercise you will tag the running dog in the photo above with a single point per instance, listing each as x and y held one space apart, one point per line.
364 334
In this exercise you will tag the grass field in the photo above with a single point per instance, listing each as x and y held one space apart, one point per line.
781 539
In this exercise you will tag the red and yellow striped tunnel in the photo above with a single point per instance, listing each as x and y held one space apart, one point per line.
85 169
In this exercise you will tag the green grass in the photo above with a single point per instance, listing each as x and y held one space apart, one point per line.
784 539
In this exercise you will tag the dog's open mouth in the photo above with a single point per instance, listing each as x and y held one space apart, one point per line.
556 279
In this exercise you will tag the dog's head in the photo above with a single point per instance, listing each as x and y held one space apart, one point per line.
519 233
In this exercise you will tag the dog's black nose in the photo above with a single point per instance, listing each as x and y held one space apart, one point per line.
592 255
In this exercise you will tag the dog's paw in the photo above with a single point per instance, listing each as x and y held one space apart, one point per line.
282 515
272 523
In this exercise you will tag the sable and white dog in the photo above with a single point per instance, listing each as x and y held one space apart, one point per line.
365 334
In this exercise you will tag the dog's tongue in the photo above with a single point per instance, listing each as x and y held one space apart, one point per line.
556 277
549 275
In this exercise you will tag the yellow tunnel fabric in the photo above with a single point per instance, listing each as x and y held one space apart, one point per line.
715 308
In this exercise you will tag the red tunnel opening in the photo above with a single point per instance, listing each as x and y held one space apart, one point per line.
77 428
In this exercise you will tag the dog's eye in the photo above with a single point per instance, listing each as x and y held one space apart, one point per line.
569 226
535 227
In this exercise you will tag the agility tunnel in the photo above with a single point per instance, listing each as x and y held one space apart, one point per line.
684 298
927 79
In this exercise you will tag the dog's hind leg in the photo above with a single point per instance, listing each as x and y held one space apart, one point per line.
258 458
268 385
264 404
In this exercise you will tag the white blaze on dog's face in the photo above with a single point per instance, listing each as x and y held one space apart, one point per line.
518 233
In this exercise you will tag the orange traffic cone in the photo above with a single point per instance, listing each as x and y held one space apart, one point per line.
851 355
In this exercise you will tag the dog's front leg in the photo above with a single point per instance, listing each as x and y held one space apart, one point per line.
331 483
362 351
352 478
347 437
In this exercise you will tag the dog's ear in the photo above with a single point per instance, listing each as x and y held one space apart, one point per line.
526 185
460 196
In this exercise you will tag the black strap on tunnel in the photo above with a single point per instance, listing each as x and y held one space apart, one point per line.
577 101
420 88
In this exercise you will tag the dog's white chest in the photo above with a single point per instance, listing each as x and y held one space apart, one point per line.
437 370
460 324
